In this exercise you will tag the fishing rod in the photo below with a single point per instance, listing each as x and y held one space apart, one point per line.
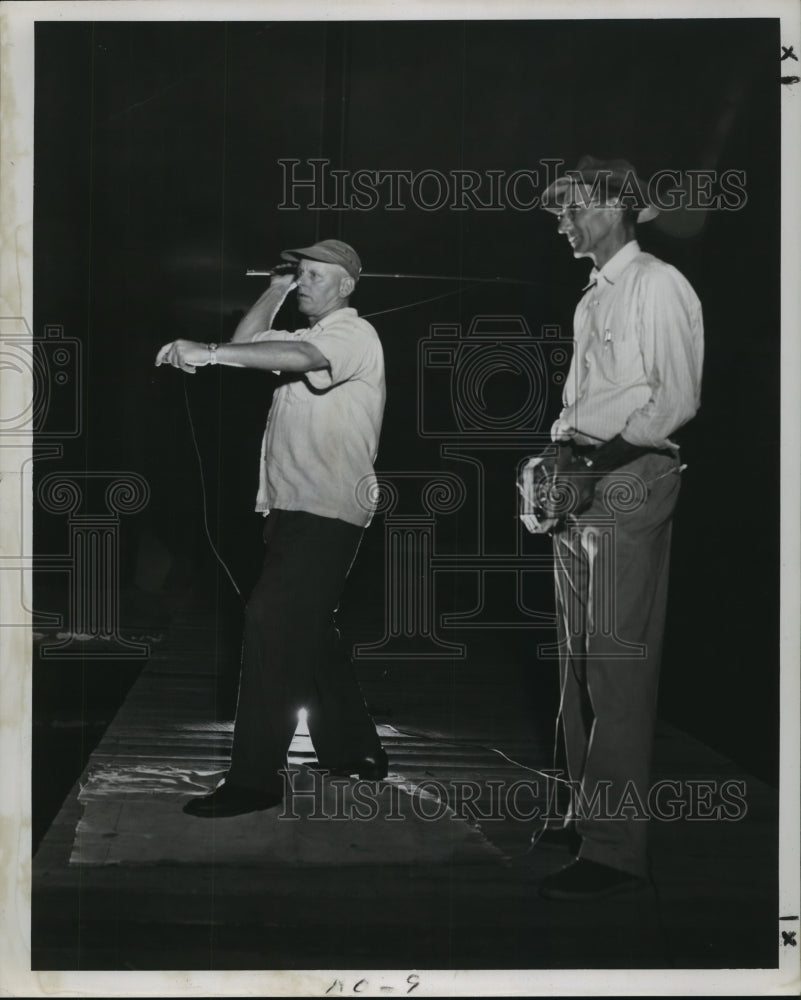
256 273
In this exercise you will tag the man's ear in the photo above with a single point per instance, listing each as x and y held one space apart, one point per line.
346 287
620 210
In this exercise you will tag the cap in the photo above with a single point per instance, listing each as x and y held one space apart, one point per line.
330 252
594 181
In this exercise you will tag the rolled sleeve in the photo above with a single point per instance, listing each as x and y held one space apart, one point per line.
275 335
344 347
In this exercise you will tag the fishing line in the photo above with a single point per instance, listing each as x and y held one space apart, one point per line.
562 688
420 302
558 555
217 555
220 559
549 777
443 741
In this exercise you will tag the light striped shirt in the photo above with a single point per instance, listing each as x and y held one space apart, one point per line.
638 355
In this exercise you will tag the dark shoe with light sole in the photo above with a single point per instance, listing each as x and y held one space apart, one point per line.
584 879
557 838
231 800
373 767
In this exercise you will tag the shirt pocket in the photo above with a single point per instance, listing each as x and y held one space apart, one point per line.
617 354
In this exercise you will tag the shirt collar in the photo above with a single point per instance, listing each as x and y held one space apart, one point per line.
333 316
615 266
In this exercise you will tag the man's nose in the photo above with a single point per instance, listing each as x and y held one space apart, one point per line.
563 224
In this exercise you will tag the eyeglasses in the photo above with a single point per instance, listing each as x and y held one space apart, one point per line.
570 212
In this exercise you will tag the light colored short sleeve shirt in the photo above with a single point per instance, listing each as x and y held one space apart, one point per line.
638 356
321 439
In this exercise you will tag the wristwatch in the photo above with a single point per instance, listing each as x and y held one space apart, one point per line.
212 354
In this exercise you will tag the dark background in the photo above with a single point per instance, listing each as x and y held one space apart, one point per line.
157 186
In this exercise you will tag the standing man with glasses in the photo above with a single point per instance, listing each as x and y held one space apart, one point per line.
606 492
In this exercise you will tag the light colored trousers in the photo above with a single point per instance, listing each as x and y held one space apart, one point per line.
611 568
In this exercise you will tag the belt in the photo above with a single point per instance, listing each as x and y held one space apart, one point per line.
585 450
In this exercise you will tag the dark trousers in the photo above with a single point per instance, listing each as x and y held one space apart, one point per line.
292 657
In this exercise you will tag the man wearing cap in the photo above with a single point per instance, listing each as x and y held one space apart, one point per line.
317 491
607 492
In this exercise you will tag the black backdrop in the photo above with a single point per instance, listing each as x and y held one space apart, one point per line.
157 184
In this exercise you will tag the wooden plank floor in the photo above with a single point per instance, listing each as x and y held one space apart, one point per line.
123 880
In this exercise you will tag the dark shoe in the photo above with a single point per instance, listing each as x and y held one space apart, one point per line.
584 879
231 800
557 838
374 767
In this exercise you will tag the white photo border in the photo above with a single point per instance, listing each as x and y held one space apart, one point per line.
17 21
